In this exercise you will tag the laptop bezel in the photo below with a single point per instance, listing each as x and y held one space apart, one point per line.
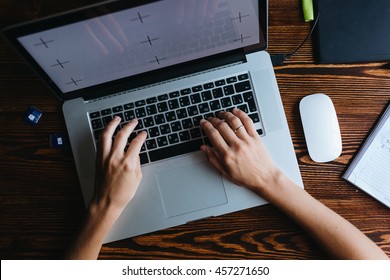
14 32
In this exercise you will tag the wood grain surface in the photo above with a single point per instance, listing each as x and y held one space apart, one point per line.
41 205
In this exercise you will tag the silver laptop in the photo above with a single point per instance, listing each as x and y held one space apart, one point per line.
168 63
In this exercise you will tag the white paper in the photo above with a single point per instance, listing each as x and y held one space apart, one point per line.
372 172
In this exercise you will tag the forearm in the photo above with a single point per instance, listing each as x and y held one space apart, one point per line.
98 222
332 232
118 175
241 156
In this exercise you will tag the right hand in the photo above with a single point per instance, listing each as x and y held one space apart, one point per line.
238 152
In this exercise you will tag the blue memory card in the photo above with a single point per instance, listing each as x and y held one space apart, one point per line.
57 140
32 115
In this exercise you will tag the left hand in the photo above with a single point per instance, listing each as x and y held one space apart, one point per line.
118 173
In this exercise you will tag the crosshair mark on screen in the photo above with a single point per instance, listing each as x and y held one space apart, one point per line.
140 18
44 43
242 38
240 17
157 60
60 63
73 81
150 40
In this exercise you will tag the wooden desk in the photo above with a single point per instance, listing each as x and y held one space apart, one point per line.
41 202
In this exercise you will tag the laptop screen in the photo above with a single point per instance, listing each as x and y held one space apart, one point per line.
114 45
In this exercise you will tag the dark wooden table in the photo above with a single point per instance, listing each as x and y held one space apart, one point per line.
41 204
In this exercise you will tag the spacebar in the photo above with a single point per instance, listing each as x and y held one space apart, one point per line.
175 150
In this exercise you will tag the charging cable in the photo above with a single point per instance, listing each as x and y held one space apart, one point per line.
278 59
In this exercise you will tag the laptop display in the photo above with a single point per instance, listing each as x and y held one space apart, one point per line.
110 45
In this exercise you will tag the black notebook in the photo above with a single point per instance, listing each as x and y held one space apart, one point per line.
351 31
370 169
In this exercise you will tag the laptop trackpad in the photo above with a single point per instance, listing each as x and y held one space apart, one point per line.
190 188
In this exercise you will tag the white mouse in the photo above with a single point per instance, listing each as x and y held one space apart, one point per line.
321 127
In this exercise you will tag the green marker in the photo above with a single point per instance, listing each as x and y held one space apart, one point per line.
308 11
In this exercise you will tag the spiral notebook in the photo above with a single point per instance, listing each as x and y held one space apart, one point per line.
370 169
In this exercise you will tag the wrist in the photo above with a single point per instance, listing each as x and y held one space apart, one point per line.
103 210
271 187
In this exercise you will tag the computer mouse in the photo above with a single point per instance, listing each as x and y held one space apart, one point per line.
321 127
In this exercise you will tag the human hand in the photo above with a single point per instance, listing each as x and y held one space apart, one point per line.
238 152
118 173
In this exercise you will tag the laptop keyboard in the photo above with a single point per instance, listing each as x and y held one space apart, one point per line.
172 119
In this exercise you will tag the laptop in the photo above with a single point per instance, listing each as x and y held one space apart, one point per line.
168 63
